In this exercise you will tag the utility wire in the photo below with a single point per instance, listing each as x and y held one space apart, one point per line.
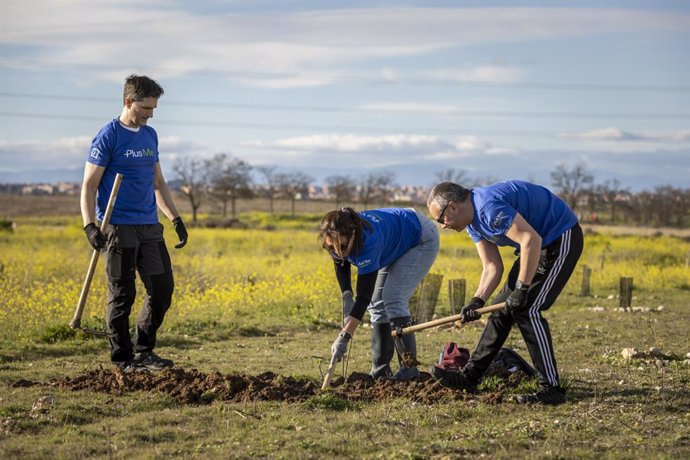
430 112
362 80
284 126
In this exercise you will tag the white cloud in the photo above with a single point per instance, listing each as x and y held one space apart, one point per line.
173 41
374 151
617 135
70 152
488 74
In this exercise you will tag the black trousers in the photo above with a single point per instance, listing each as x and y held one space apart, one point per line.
556 264
131 249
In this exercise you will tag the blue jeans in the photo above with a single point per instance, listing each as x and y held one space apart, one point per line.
396 282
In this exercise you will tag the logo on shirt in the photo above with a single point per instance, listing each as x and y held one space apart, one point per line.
364 262
139 153
95 153
498 220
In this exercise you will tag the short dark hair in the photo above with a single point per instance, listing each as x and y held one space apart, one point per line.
445 192
138 87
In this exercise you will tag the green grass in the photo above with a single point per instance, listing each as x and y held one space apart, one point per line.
616 408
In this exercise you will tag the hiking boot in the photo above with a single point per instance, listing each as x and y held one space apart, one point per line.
130 367
547 395
151 361
453 379
406 348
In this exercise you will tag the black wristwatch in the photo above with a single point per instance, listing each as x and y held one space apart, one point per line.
520 285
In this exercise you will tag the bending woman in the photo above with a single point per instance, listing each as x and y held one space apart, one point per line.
393 250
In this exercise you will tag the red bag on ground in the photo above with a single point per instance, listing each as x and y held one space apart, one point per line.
452 357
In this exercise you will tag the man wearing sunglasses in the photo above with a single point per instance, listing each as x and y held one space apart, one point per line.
548 241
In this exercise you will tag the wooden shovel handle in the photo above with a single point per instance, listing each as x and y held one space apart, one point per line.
447 319
76 319
329 373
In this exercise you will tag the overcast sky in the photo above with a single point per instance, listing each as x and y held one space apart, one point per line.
499 89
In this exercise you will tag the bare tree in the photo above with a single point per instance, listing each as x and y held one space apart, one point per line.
191 171
375 186
570 182
229 179
268 172
293 186
342 188
611 193
451 175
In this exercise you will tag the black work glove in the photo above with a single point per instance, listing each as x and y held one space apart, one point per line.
181 232
96 238
348 303
517 300
339 347
469 312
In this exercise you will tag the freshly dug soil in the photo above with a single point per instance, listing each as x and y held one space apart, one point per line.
190 386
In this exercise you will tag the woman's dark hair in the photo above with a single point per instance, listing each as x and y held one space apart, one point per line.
344 222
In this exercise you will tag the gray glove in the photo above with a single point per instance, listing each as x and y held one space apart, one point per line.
348 303
339 347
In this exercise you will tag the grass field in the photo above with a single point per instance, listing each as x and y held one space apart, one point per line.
251 301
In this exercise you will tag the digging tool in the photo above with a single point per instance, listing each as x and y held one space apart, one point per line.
448 319
408 358
329 373
76 320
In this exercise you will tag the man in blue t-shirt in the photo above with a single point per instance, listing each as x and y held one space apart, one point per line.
133 241
548 241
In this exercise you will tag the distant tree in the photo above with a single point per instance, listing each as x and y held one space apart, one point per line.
457 176
570 182
610 193
269 174
342 188
191 171
375 186
229 179
293 186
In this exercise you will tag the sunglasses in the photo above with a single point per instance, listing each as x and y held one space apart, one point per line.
441 217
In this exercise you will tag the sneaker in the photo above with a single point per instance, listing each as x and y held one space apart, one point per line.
547 395
453 379
151 361
130 367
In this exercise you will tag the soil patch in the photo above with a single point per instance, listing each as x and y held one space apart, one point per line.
190 386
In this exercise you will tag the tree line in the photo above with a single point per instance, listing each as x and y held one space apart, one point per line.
223 179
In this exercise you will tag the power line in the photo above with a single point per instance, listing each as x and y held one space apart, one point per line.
363 80
283 126
439 112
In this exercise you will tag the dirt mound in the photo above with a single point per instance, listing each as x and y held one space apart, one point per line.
190 386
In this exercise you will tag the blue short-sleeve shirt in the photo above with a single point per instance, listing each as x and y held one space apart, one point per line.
134 154
495 207
394 231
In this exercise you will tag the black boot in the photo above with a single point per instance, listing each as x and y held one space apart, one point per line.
406 344
381 351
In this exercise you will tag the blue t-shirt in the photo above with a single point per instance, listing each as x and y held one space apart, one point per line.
394 232
134 154
495 207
